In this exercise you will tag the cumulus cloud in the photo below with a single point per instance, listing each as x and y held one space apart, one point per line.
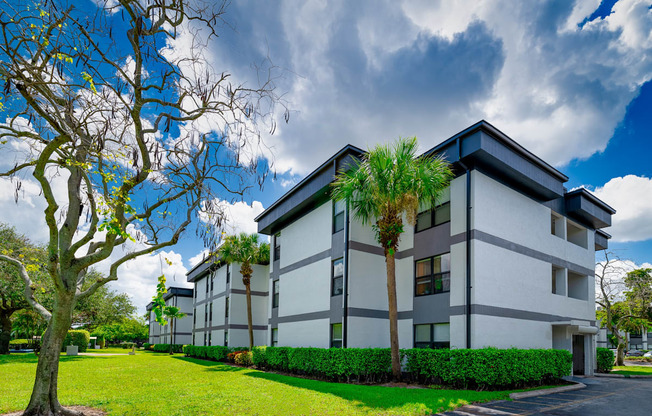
630 197
367 72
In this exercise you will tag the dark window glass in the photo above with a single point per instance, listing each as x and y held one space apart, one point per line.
338 216
205 314
212 280
205 339
210 339
207 286
432 275
226 338
433 216
210 315
228 274
432 336
336 336
338 277
274 337
277 247
275 294
226 307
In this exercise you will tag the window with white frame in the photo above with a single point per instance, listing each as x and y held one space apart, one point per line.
432 335
338 277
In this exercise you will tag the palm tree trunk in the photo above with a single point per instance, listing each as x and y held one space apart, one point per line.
171 332
393 315
249 318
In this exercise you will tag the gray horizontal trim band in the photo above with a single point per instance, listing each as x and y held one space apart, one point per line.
520 249
377 250
310 316
511 313
376 313
305 262
232 326
210 298
253 292
181 333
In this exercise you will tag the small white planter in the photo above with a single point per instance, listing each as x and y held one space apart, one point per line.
72 350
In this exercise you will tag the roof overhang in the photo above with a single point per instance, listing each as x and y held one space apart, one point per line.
586 207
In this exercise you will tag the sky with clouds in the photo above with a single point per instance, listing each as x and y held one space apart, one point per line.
568 80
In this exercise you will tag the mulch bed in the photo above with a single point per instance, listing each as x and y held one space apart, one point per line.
87 411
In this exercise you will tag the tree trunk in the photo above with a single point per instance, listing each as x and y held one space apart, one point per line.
44 400
393 315
171 332
620 349
249 319
5 331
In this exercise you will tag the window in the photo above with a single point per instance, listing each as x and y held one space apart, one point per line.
226 307
338 277
205 339
212 280
432 275
338 216
228 274
274 337
205 314
226 338
193 339
275 294
194 318
210 315
432 336
207 286
336 336
576 234
429 217
210 337
277 246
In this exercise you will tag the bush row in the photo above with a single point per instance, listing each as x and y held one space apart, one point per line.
605 358
487 367
215 352
78 337
166 347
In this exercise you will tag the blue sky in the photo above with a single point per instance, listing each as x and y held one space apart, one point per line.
570 81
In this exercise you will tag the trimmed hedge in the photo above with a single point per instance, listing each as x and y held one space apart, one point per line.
605 358
488 367
166 347
19 344
216 352
78 337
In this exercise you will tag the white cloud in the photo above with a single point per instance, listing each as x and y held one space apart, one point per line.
195 260
370 72
631 197
239 216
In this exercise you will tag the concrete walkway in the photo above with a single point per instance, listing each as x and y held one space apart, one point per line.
601 397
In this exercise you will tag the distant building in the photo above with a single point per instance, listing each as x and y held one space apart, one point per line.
505 259
160 334
220 305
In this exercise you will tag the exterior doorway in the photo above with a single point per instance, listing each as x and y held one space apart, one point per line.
578 355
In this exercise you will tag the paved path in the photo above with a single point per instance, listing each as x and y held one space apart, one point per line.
601 397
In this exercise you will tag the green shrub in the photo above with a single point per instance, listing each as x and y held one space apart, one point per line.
78 337
19 344
166 348
244 358
487 367
127 345
259 356
605 358
216 352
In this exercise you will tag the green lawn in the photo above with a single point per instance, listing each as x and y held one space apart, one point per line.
633 370
158 384
112 350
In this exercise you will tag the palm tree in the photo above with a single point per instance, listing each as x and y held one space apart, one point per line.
172 313
245 249
388 182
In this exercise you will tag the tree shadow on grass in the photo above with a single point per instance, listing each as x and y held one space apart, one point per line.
214 365
417 400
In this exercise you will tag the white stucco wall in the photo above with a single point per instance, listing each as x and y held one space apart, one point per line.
309 235
306 289
313 333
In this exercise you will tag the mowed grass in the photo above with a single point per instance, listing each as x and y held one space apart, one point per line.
633 370
111 350
160 384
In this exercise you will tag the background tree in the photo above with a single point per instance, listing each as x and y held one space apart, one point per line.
245 249
132 329
104 307
12 287
621 295
141 133
387 184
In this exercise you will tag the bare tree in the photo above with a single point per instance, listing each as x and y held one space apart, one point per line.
140 133
613 313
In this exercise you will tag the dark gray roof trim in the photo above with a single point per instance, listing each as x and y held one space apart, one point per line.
307 192
203 268
584 206
181 292
603 234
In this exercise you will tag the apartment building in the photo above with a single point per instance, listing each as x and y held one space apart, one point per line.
220 304
504 259
160 334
